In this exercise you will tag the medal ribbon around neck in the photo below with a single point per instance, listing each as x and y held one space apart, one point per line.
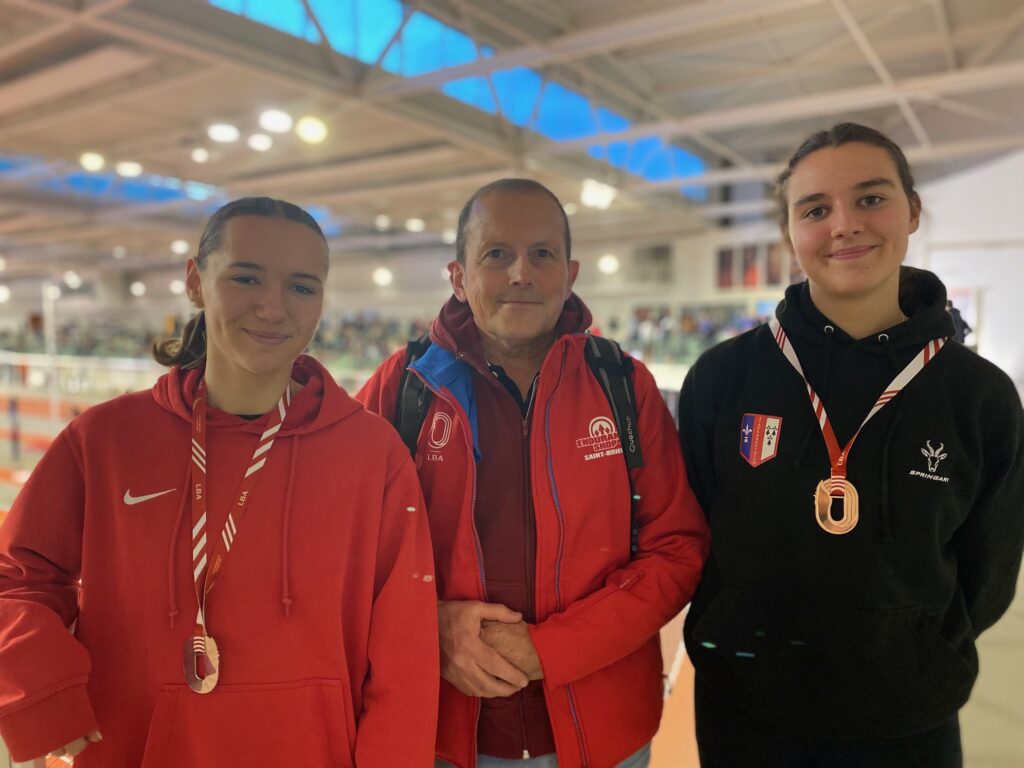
202 658
837 486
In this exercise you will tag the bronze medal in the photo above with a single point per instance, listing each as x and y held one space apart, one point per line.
202 663
837 486
824 497
201 656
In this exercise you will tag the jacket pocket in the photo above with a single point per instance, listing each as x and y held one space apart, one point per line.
830 671
306 722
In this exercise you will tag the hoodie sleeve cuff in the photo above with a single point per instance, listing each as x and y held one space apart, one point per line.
48 724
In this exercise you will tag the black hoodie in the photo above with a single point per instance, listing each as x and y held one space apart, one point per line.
869 634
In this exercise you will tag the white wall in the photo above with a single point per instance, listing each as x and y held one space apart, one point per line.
972 236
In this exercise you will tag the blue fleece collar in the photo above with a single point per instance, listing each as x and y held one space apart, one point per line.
441 369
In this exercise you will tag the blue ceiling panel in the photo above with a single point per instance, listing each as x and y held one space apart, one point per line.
362 28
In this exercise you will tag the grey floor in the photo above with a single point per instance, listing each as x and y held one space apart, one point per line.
993 720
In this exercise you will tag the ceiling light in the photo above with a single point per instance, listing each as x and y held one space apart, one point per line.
383 277
570 209
382 222
200 155
129 169
72 280
311 129
177 287
448 236
137 289
260 142
594 194
5 293
225 133
415 225
92 161
276 121
608 264
52 292
179 247
119 252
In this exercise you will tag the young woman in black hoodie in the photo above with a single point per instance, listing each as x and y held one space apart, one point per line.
863 475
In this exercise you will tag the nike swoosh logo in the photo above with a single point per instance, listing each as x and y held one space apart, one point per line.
131 500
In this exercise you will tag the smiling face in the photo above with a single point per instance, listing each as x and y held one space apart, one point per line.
850 221
516 276
262 294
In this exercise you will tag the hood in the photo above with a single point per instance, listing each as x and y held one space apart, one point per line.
922 299
455 330
320 402
849 374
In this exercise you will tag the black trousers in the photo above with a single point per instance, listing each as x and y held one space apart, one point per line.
728 737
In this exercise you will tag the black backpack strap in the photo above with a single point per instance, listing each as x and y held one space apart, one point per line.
614 372
413 396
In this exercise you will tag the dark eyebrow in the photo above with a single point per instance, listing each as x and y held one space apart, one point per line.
259 268
809 199
502 244
879 181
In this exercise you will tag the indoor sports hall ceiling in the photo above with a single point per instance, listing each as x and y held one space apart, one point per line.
648 117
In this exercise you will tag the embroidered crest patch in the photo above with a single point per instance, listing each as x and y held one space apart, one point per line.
759 437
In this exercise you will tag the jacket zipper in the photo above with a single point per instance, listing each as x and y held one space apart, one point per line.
529 510
476 536
561 547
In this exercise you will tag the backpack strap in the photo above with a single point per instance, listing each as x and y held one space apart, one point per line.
413 396
614 372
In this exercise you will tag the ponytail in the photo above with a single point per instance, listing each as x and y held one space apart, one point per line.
188 350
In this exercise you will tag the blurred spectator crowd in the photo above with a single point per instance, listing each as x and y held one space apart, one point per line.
361 341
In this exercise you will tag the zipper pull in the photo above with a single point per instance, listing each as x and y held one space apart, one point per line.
526 754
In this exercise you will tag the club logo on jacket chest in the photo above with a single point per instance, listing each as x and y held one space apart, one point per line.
439 435
759 437
602 439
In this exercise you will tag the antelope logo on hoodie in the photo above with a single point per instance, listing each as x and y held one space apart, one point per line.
933 456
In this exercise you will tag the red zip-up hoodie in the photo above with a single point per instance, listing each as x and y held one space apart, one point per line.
597 612
324 610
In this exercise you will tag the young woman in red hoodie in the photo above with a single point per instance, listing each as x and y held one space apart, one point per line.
234 566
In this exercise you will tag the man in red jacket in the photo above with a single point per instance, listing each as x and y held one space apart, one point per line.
549 627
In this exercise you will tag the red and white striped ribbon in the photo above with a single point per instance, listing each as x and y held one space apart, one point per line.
205 576
838 456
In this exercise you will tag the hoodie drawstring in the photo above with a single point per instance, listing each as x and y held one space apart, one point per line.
830 333
886 516
883 340
172 571
886 510
286 600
